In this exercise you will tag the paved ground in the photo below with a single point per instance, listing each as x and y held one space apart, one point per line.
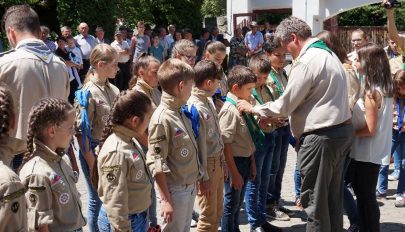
392 219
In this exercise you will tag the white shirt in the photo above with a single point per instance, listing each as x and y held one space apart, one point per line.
120 47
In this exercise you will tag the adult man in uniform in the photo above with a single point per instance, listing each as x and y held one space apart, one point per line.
317 102
31 70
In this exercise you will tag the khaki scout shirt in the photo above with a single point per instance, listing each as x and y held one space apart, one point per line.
264 95
172 147
153 93
102 96
277 86
30 79
13 207
52 197
209 140
124 184
234 129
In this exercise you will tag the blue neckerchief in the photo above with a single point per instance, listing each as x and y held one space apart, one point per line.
82 97
400 116
191 113
39 49
217 95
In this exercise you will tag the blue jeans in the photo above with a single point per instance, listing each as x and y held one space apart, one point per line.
138 221
94 202
398 150
297 181
281 138
233 198
256 191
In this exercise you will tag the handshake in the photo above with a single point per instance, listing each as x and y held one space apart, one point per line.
388 4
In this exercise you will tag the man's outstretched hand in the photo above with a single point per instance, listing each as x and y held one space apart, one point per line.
244 106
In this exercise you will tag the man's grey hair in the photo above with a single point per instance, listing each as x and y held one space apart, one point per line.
293 25
64 28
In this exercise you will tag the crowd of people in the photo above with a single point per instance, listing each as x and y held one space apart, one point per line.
157 119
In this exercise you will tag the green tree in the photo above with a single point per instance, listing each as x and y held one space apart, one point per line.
372 15
213 8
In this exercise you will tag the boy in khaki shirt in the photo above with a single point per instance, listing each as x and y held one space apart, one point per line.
210 145
239 133
172 148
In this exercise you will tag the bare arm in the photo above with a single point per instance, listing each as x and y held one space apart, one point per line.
372 104
392 30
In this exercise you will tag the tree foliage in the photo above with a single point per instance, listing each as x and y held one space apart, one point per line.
213 8
372 15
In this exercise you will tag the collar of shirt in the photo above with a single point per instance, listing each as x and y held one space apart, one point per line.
232 96
30 40
9 147
145 86
201 94
99 83
305 48
45 152
125 133
171 102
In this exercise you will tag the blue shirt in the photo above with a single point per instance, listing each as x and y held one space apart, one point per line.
86 44
157 52
253 41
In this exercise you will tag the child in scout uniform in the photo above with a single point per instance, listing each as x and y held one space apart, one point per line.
216 52
53 202
145 76
124 183
172 150
93 103
277 82
256 190
239 133
13 212
210 145
146 81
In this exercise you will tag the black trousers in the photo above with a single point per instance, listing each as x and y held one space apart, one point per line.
365 179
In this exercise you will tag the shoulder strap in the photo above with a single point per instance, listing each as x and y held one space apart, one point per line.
82 96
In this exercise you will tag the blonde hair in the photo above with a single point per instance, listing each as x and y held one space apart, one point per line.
102 52
180 47
172 72
213 47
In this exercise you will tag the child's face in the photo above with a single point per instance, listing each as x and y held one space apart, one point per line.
189 56
185 90
61 44
155 40
64 131
358 66
277 58
150 75
244 91
110 69
217 57
71 43
261 78
212 85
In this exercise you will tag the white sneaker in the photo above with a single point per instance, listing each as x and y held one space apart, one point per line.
399 197
193 223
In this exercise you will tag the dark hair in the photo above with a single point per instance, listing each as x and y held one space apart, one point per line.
399 82
240 75
377 69
48 111
261 63
69 37
272 44
213 46
333 42
187 30
206 69
127 104
6 109
143 62
22 18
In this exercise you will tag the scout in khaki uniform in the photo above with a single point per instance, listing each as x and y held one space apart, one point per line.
13 208
172 152
93 103
125 182
238 133
210 146
53 201
145 69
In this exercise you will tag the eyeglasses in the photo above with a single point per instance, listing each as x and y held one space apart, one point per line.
190 57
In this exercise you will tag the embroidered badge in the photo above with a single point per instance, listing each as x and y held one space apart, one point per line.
64 198
110 177
211 132
139 174
105 118
55 178
14 207
184 152
32 198
135 156
178 132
